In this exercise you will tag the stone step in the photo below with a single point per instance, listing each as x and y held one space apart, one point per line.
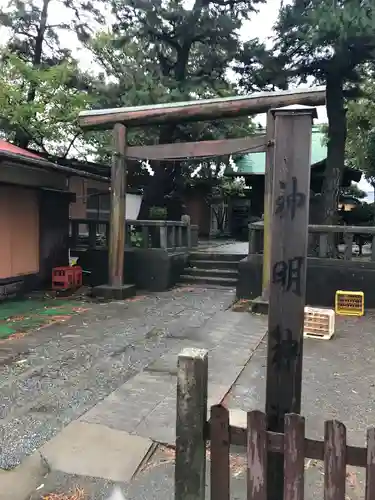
216 273
208 280
214 264
217 256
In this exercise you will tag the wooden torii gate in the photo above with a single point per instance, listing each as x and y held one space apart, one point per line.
119 119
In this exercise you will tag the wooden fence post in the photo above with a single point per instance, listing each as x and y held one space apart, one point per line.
289 243
190 467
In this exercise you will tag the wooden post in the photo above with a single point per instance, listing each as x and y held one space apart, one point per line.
74 226
289 244
117 216
268 180
92 227
190 468
145 236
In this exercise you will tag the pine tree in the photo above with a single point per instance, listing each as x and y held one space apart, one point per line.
186 54
330 42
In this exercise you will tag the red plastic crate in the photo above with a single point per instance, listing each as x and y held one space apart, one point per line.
77 276
66 277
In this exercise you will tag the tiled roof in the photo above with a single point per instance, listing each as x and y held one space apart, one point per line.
17 154
7 147
255 163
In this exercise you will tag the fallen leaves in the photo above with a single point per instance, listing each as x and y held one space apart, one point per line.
78 494
136 299
184 289
242 305
237 462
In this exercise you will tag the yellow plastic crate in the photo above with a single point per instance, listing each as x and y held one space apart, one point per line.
319 323
349 303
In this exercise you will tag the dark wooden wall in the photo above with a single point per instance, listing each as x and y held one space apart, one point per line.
54 232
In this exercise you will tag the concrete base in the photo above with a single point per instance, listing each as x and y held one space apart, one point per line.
259 306
324 278
152 269
110 292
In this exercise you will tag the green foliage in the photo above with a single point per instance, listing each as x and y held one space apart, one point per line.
42 89
158 213
328 42
136 238
50 119
142 66
162 51
360 143
192 47
34 39
320 38
227 188
260 68
353 190
361 215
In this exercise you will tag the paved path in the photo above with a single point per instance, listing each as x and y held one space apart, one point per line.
239 247
94 395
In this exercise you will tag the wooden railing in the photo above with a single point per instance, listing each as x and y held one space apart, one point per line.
88 233
193 431
319 238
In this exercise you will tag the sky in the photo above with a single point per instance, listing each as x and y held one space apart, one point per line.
260 26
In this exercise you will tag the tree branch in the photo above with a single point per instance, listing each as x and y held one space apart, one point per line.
71 144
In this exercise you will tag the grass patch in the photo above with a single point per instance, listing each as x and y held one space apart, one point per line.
20 316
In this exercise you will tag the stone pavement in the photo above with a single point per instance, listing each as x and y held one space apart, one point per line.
93 396
230 247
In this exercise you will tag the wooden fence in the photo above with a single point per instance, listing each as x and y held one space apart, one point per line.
333 451
193 432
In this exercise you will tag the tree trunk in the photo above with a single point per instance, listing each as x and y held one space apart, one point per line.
22 138
335 154
336 148
161 183
167 176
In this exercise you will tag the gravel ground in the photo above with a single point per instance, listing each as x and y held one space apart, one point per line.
54 375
